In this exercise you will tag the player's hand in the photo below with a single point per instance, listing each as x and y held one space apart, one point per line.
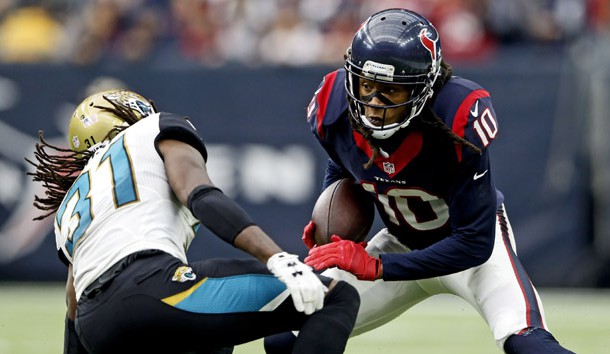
308 235
347 255
305 287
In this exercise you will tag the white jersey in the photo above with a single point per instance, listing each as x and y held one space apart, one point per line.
122 202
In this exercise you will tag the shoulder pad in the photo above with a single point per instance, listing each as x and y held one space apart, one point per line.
328 102
466 107
172 126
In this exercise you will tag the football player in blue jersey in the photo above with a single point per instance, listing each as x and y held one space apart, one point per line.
416 137
127 199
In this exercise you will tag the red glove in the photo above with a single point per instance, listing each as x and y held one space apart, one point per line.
308 235
347 255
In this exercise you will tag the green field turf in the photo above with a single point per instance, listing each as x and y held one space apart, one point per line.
31 322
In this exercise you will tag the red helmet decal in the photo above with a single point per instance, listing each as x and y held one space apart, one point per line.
429 43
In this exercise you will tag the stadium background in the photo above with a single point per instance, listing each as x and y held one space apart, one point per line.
244 71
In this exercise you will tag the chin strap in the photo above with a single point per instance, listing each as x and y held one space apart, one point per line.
383 153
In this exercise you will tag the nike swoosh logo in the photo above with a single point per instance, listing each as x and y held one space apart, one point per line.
475 110
479 175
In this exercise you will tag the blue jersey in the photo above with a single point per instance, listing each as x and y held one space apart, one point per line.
435 195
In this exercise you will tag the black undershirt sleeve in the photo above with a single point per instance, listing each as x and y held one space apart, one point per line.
219 213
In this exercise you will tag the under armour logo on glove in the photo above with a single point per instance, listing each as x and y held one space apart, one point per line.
296 273
305 287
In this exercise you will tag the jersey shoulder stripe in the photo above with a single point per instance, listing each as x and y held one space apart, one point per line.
460 119
328 102
454 104
453 94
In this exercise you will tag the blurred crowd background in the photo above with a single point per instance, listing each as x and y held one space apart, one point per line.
270 32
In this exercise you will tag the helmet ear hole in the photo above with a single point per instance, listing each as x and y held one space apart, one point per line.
347 53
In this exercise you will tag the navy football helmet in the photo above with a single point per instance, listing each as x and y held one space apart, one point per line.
394 46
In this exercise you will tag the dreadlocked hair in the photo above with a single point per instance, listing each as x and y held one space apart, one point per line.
427 117
367 134
57 171
432 119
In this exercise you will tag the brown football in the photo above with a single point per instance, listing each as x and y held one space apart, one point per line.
343 209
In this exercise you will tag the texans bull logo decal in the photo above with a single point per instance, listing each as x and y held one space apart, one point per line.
429 43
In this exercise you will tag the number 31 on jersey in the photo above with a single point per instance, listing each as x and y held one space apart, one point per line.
113 170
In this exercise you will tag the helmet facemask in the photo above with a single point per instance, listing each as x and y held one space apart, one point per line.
420 93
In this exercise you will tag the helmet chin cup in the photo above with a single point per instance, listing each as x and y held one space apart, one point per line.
384 134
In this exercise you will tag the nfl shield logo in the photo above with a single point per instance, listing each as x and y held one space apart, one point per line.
388 167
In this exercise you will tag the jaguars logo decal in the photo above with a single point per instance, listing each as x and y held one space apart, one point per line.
183 274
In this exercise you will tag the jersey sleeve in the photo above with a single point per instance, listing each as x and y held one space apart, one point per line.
472 205
63 258
327 107
473 199
467 109
334 172
328 104
172 126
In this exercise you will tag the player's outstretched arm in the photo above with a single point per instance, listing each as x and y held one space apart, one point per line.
188 177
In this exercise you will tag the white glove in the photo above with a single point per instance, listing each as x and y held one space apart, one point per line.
305 287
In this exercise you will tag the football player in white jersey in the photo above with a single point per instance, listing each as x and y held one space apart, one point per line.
127 199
